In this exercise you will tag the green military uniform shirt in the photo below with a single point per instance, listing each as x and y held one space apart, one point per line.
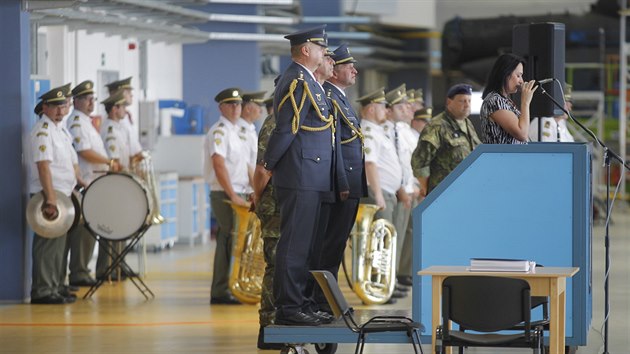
442 146
266 208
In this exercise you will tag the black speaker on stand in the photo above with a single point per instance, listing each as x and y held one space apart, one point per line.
542 46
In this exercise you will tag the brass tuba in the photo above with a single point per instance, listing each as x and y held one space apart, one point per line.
373 256
144 170
248 263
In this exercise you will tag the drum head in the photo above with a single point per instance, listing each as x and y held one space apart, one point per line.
116 206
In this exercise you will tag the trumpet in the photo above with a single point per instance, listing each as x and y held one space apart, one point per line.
144 170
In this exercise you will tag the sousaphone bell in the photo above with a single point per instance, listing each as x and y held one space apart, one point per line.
50 228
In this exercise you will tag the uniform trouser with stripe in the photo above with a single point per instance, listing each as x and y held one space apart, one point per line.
299 211
333 231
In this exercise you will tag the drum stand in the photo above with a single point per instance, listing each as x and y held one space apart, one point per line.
118 259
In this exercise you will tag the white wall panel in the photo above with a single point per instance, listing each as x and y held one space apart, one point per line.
164 71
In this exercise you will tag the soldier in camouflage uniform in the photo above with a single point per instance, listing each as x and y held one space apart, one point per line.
269 215
446 141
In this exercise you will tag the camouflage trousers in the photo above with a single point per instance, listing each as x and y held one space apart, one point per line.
271 234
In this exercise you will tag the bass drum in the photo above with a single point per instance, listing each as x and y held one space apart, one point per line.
116 206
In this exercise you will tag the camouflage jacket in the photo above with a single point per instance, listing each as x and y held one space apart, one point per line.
267 209
442 146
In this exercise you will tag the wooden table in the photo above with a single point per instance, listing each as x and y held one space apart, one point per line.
545 281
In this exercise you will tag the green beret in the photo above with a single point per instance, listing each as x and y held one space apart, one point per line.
377 96
396 95
424 114
116 98
230 95
57 95
84 88
120 84
256 97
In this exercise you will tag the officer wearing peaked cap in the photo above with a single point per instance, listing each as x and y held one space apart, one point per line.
93 157
52 163
383 171
120 151
251 111
125 87
226 173
338 217
300 155
421 118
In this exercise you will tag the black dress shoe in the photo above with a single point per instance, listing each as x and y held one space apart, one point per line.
226 300
391 301
83 282
405 280
53 299
71 288
323 317
297 319
402 288
398 294
64 292
113 277
267 346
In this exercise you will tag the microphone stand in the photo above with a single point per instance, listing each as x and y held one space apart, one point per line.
608 154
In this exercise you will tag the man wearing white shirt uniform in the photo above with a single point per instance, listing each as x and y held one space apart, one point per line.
226 171
93 162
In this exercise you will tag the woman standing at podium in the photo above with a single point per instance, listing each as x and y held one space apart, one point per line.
502 121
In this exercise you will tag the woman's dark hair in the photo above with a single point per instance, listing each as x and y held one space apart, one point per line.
501 71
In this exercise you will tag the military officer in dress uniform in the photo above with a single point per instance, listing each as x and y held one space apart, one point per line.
92 158
53 166
226 172
251 111
342 213
300 156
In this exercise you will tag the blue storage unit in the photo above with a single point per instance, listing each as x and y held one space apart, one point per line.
165 234
512 201
192 210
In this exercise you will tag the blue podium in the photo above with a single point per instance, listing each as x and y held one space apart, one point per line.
511 201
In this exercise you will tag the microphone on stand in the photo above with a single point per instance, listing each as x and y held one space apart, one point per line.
544 81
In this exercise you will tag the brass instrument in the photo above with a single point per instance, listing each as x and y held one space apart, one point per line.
248 263
144 170
373 256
